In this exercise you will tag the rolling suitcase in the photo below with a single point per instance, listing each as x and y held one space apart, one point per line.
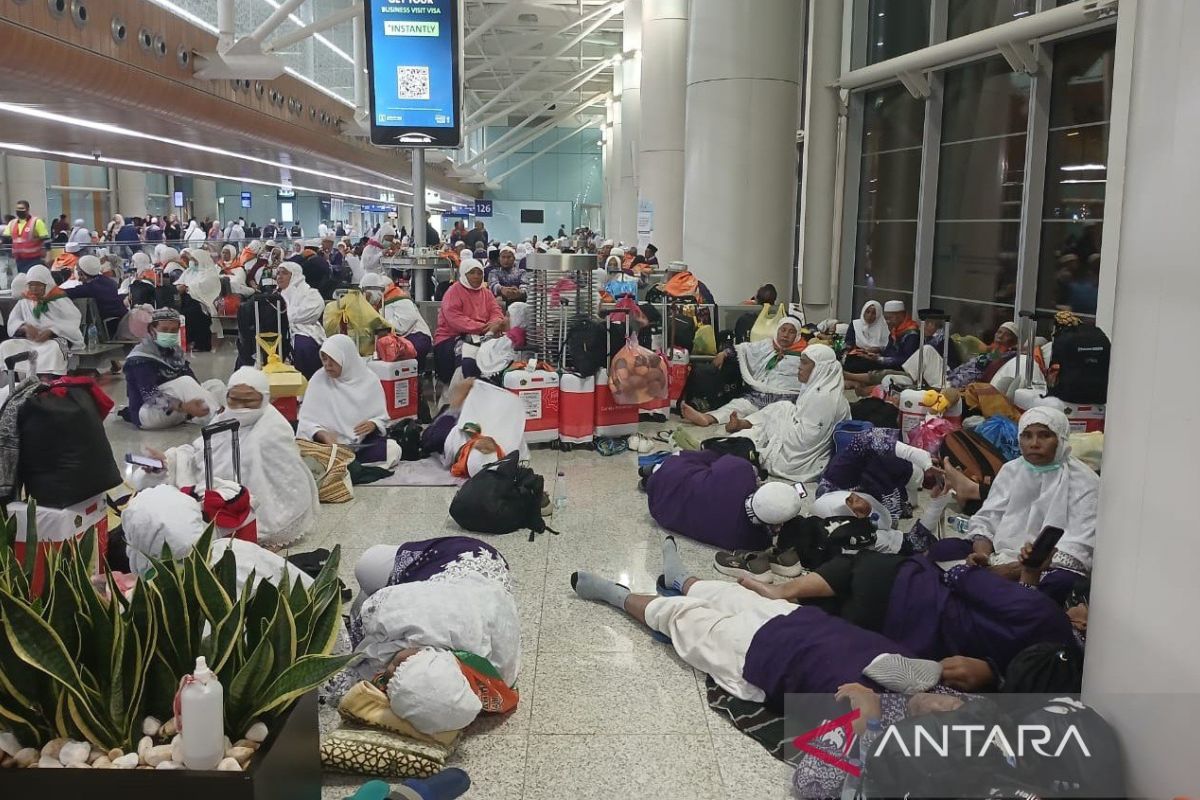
912 410
232 516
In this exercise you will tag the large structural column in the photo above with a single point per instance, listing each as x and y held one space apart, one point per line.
131 193
1142 646
204 199
740 145
616 143
660 143
25 179
631 117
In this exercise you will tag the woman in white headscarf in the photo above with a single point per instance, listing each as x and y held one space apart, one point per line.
372 256
769 371
282 490
306 311
1044 487
199 287
794 439
194 233
80 234
398 311
44 322
344 403
469 310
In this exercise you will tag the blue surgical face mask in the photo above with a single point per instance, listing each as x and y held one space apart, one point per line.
166 339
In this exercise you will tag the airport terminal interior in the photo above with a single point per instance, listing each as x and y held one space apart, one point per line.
544 399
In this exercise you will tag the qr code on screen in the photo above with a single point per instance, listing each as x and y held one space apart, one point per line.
412 83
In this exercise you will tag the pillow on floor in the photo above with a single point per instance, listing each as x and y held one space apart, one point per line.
380 754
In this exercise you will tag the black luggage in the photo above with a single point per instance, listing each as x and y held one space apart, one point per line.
65 457
878 412
710 387
1081 354
587 346
272 318
502 498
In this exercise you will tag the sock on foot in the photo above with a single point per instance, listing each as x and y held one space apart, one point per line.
674 572
593 587
899 673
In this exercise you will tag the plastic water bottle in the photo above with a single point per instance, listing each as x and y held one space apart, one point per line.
959 522
93 336
202 718
559 498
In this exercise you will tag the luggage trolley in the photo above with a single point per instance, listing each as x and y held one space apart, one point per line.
912 412
1083 418
563 290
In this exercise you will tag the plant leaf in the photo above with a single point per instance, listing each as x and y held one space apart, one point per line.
39 646
248 682
303 676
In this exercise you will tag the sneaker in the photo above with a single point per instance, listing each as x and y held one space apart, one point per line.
899 673
787 563
640 444
752 564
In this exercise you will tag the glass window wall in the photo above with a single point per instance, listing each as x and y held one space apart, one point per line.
892 28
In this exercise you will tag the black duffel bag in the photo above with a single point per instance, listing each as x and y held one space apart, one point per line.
502 498
740 446
64 456
709 387
587 346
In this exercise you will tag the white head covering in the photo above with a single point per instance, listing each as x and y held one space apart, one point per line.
612 264
773 503
1025 498
256 379
832 505
157 516
40 273
18 285
1011 327
677 266
893 305
477 460
518 314
73 247
372 280
467 265
429 691
338 404
507 249
89 265
875 334
495 355
141 262
826 377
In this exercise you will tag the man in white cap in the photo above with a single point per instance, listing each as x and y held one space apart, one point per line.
95 285
903 340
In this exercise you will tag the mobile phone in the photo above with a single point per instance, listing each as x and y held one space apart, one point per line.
144 461
1043 545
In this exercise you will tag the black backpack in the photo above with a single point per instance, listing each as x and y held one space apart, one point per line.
710 387
57 470
1082 354
503 498
296 231
587 346
740 446
407 434
878 412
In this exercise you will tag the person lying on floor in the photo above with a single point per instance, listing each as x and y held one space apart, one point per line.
794 437
435 626
344 403
999 363
769 370
282 489
877 463
163 390
716 499
163 515
482 424
1046 486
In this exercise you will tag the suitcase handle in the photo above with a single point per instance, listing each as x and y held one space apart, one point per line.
208 432
12 361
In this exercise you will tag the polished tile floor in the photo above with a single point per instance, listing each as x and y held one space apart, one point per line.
605 712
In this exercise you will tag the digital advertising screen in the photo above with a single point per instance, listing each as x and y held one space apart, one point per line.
414 50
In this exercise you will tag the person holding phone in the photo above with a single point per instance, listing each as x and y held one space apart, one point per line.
162 389
1044 487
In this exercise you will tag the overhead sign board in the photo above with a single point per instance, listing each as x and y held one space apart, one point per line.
414 61
483 208
247 199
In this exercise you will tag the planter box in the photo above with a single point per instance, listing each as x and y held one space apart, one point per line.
286 767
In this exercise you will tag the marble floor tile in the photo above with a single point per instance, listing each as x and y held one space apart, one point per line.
643 690
748 771
657 767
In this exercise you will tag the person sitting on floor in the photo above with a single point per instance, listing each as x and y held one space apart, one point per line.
508 281
928 361
769 370
306 313
101 288
794 437
344 403
999 363
281 486
1045 487
903 340
398 311
716 499
681 284
866 336
435 626
469 310
163 390
44 322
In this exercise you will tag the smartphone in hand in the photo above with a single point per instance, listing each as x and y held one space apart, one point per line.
1043 546
145 462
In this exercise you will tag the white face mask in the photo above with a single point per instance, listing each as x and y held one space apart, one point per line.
476 461
245 416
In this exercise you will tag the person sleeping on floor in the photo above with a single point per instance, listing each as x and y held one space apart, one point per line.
481 424
761 649
435 627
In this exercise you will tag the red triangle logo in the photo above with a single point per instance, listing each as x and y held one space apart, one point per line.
804 742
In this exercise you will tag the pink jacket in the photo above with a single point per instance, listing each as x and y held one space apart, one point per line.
466 311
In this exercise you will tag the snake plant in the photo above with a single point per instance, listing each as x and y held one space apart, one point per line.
81 660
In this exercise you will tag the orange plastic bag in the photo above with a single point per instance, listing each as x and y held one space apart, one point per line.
637 375
390 347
